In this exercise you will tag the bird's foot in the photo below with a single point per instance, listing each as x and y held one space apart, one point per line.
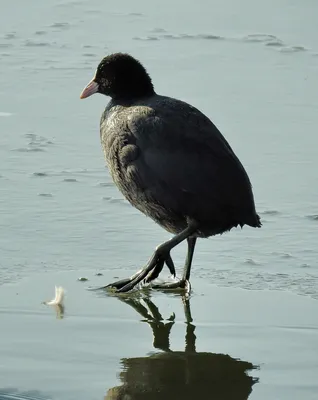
117 285
150 272
182 285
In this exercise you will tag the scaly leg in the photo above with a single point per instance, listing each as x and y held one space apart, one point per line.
156 262
184 282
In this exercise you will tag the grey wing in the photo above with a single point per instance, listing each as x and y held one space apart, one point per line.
187 166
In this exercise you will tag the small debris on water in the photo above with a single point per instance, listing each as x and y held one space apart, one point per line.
82 279
59 297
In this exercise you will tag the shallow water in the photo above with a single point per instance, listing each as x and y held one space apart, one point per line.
251 67
225 343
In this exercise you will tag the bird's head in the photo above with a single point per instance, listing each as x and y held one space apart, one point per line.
120 76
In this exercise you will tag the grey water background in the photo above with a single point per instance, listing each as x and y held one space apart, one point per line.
251 66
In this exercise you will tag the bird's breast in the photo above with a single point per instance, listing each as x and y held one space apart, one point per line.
121 153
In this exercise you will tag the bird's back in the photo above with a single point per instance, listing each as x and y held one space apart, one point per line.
171 162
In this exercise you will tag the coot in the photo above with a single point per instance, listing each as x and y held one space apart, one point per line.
170 162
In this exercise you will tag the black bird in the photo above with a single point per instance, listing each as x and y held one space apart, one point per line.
170 162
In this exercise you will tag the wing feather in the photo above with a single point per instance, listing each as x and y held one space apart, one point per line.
186 164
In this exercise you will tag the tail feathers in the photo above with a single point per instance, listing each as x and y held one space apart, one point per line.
254 221
257 223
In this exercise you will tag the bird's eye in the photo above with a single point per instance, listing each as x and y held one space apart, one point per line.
103 82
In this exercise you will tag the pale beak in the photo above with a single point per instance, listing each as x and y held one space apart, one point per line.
90 89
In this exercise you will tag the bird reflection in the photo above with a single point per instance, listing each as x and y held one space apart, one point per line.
59 310
185 375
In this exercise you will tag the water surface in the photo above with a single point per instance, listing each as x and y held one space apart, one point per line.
252 68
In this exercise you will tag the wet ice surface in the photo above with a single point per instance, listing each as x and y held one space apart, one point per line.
219 341
254 72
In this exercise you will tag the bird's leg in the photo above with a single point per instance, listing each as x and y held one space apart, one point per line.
190 335
188 262
122 282
158 268
156 262
170 265
184 282
150 314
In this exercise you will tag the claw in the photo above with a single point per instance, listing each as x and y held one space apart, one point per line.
170 265
144 276
181 285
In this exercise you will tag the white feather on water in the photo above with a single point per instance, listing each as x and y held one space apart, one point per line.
59 297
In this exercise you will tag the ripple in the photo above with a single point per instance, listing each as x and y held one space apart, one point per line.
5 114
261 37
91 12
308 251
270 212
299 284
40 33
158 30
250 261
116 200
48 195
293 49
104 184
150 37
136 14
56 68
70 180
282 255
275 43
38 141
313 217
81 171
27 149
182 36
33 43
5 45
35 143
10 35
60 25
40 174
73 3
206 36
